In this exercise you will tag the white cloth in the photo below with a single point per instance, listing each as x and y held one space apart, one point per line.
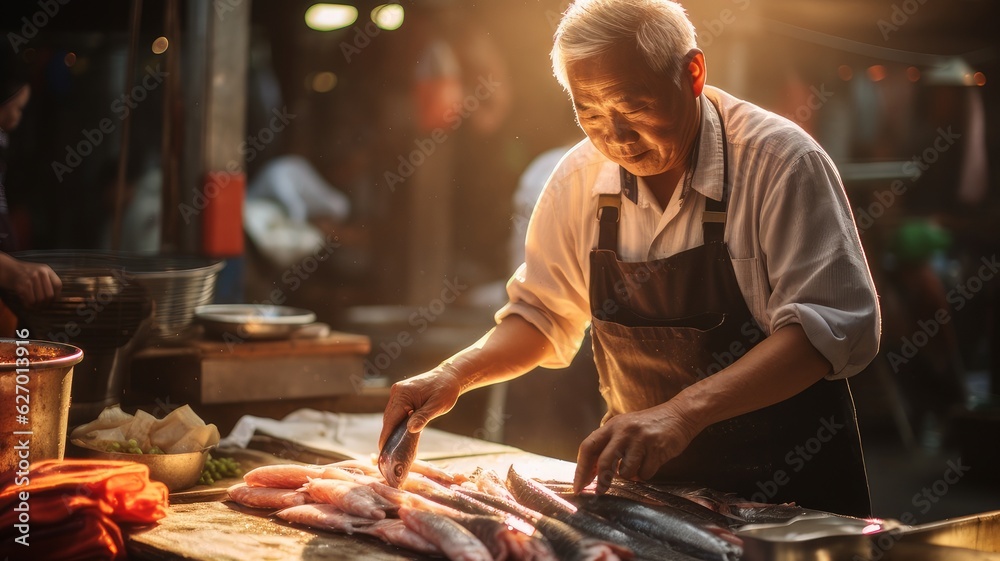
292 182
790 231
353 435
279 203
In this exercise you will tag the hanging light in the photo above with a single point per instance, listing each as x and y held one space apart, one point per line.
388 16
327 17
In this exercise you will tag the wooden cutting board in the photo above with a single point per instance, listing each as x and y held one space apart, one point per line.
217 531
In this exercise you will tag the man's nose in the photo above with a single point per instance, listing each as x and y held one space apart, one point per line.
620 131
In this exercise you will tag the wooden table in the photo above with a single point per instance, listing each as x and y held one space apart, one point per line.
203 525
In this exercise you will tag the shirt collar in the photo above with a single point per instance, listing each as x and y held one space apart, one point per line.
708 172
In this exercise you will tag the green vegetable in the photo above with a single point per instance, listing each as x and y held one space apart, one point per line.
131 447
217 469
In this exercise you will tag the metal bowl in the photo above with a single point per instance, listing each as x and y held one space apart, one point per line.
176 471
252 321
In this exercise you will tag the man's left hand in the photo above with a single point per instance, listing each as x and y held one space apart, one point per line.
633 446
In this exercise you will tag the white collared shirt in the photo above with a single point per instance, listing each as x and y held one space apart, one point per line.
790 232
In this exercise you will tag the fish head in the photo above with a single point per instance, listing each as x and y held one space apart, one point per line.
397 455
393 469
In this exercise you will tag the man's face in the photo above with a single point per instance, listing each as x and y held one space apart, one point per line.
10 112
636 118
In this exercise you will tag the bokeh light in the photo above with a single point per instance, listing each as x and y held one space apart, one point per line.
388 16
327 17
160 45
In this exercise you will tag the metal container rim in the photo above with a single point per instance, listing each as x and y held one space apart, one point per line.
74 357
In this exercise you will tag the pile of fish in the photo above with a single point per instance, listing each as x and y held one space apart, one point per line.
481 516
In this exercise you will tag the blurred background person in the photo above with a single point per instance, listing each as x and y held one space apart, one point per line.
32 283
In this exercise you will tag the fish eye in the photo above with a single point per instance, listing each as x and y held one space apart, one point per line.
398 471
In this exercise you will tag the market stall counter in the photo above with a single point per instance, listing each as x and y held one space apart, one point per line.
204 523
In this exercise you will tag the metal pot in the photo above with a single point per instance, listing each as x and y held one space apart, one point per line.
36 380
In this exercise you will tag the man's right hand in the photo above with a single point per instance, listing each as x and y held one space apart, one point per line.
421 398
33 283
510 349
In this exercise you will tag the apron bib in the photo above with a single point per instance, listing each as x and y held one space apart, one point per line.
660 326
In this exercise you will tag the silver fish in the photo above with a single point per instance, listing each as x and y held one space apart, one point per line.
397 454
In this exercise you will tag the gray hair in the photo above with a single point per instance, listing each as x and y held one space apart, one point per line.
659 29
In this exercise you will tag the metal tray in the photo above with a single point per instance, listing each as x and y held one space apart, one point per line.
814 536
252 321
980 532
823 537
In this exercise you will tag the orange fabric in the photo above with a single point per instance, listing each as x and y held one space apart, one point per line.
75 507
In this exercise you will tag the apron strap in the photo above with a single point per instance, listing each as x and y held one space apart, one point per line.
713 222
608 212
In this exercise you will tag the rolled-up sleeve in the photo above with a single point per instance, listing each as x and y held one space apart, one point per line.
816 266
550 290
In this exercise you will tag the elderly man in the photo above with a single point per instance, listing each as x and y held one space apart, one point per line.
711 246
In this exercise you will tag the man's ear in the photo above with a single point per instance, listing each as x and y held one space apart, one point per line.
696 70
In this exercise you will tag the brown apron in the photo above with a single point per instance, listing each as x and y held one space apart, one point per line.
662 325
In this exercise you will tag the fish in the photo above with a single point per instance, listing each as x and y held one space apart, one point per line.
568 543
682 530
400 497
264 497
352 498
432 471
571 545
324 516
457 543
397 455
329 517
655 494
489 481
738 509
505 535
357 466
396 532
436 492
282 476
504 542
333 472
536 496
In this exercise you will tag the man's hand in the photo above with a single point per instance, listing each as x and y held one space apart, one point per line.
633 446
33 283
426 396
638 444
510 349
